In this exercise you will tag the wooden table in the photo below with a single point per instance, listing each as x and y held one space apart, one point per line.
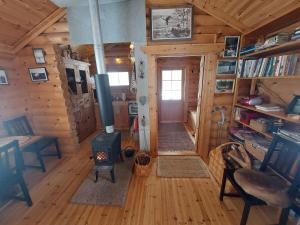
24 141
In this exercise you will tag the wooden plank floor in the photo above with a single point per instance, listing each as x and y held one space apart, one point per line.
150 201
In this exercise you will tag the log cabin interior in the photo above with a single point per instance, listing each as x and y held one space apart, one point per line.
149 112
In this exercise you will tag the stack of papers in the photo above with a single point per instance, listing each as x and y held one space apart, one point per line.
269 108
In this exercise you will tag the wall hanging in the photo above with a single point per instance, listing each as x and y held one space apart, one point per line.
174 23
3 77
39 55
38 74
231 46
227 67
141 69
225 86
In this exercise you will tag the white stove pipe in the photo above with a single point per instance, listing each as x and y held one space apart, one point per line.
97 37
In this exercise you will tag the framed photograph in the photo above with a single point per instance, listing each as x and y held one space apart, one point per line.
225 86
231 46
38 74
294 106
39 55
227 67
3 77
174 23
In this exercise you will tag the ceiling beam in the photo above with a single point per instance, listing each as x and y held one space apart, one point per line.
219 14
38 29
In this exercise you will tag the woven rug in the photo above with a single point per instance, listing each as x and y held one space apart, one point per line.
104 192
181 166
174 137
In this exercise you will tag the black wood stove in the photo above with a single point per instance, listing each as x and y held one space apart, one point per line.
106 148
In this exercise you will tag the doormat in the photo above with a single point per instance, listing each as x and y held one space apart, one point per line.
104 192
182 167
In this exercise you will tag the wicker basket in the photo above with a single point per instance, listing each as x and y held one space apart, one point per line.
216 164
143 163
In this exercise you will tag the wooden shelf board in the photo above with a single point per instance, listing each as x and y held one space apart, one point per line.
279 115
268 135
291 45
268 78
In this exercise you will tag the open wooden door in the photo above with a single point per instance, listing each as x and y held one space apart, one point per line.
201 74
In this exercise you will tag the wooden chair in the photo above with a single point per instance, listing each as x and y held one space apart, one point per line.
20 127
275 184
11 171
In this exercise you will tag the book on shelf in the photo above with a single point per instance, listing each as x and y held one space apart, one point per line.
269 108
273 66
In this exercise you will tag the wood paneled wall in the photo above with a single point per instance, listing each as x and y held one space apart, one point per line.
209 31
12 95
46 104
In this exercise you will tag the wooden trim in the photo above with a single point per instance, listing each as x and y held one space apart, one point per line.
37 30
207 101
219 14
182 49
152 90
210 52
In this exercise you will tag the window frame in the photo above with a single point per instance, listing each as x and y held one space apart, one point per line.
118 74
171 80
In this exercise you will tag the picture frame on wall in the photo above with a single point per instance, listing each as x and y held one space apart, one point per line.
3 77
224 86
232 44
227 67
172 23
38 74
39 55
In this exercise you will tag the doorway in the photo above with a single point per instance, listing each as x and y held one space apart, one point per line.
178 98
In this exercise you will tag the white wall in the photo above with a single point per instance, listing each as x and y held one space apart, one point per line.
121 21
142 90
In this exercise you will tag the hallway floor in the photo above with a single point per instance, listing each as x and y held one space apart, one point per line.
174 137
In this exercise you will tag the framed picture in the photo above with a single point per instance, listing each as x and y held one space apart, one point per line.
231 46
225 86
3 77
38 74
226 67
39 55
174 23
294 106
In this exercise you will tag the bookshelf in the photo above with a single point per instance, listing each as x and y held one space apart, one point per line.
279 49
269 78
283 82
267 135
279 115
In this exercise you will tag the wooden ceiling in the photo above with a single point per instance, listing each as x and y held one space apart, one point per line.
20 20
246 15
18 17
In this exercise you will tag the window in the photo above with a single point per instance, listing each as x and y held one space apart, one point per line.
171 84
118 78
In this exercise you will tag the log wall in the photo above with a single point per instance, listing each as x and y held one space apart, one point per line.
209 31
46 104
